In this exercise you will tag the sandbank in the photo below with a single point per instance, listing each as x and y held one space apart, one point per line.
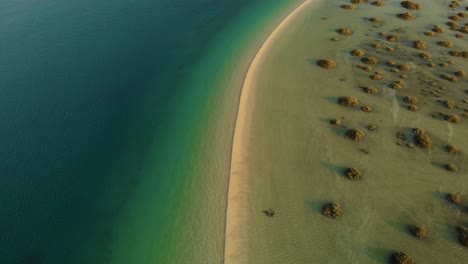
235 235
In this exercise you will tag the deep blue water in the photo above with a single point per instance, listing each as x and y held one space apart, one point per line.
75 77
88 90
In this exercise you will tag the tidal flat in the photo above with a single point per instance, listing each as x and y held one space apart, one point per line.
377 88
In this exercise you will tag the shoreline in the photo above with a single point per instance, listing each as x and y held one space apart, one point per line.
237 186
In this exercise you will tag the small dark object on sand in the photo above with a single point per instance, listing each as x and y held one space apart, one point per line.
454 198
348 7
448 77
452 118
345 31
365 68
369 60
445 43
421 139
269 212
335 122
410 99
463 235
355 135
378 3
413 108
438 29
452 24
332 210
379 46
454 4
460 73
370 90
404 67
406 16
410 5
401 258
371 127
397 85
366 108
357 52
449 104
393 38
451 167
418 231
376 77
419 44
326 63
353 173
460 54
452 149
365 151
348 101
455 18
425 56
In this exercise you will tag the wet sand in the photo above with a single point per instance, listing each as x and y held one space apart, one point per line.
288 157
236 238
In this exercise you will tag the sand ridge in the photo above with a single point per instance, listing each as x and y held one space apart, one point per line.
235 236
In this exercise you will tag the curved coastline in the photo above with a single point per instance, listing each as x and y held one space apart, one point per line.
237 183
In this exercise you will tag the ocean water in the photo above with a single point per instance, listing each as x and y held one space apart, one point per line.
103 107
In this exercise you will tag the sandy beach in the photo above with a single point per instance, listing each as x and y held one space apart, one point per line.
236 236
292 143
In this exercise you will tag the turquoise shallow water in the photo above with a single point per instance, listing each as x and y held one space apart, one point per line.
98 99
